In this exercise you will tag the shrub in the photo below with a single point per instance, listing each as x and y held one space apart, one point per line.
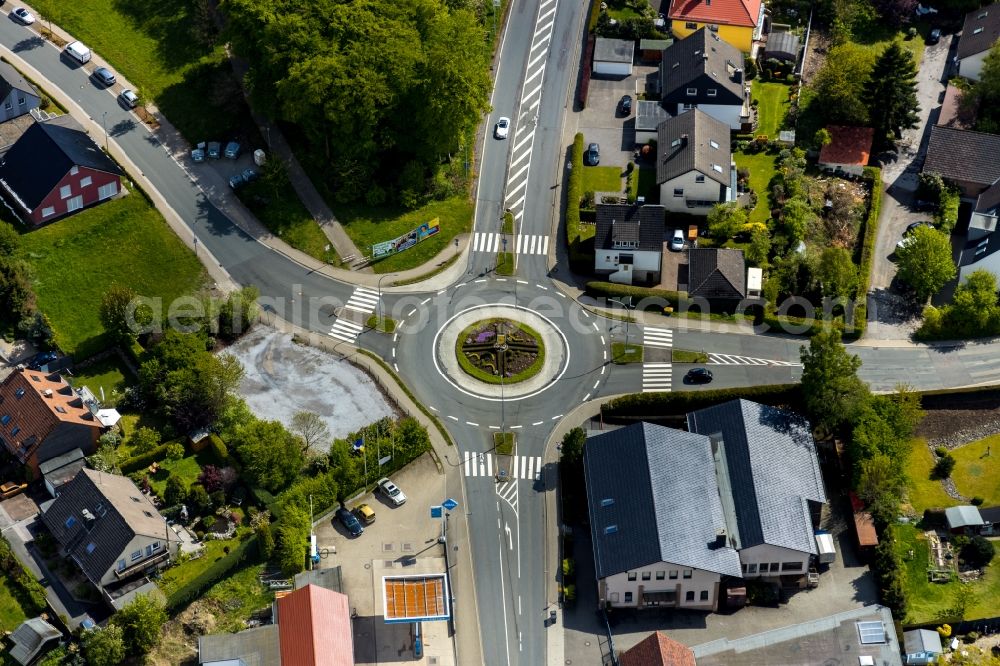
947 213
175 492
588 63
662 297
660 405
218 448
940 451
136 463
978 552
175 451
943 467
208 522
976 501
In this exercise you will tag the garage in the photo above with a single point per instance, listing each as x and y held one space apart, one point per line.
613 57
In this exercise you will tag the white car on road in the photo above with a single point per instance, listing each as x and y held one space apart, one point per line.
391 492
502 128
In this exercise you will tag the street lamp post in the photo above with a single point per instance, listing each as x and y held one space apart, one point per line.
378 304
626 306
104 124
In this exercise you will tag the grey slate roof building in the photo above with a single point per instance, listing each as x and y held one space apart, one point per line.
783 46
716 273
614 50
96 517
693 141
704 62
258 646
649 115
980 31
771 473
630 226
652 497
31 638
11 79
966 157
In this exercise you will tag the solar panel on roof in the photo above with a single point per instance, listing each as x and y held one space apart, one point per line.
871 632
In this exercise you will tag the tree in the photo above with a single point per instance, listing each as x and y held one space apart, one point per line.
291 532
210 478
199 500
796 216
175 492
144 440
141 621
238 311
839 86
572 446
891 94
973 311
106 459
311 428
760 248
10 240
833 393
978 552
880 486
944 466
271 456
822 138
15 290
726 220
925 261
836 273
104 647
119 316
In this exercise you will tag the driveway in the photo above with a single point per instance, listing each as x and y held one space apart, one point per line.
890 316
600 121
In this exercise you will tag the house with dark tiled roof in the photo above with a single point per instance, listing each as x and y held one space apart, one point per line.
111 531
717 274
628 245
739 22
848 151
657 649
694 164
704 72
43 417
979 33
17 96
966 158
55 169
312 627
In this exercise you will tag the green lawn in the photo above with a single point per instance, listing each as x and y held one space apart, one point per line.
152 45
177 576
503 443
772 106
237 597
367 226
643 184
975 474
11 613
762 169
922 491
75 260
280 210
621 354
928 601
110 374
505 263
602 179
187 468
685 356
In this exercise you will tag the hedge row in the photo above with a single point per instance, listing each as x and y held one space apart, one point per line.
135 463
873 175
211 574
947 213
652 406
581 251
792 325
659 298
25 588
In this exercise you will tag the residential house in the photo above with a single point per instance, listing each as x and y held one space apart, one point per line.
656 519
43 417
739 22
31 639
18 96
111 531
311 627
657 649
863 637
979 33
628 245
694 165
55 169
848 151
964 520
966 158
921 646
717 275
770 484
613 57
703 72
648 116
61 469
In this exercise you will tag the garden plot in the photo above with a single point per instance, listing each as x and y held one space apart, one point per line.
283 377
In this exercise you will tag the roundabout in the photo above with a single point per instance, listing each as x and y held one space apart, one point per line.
500 351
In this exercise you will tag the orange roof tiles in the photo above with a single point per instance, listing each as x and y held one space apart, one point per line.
723 12
415 597
314 628
850 145
657 649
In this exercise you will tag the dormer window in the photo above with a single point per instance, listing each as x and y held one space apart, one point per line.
608 501
16 430
717 167
712 92
714 144
5 419
691 92
91 547
60 409
611 529
977 30
19 393
675 143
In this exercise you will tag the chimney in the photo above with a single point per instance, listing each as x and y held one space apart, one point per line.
720 537
88 518
738 75
684 140
47 393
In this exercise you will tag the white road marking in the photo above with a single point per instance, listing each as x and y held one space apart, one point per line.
657 377
657 337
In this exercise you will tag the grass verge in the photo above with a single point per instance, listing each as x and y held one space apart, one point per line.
508 223
483 376
505 263
685 356
622 353
74 261
383 325
503 443
279 209
11 613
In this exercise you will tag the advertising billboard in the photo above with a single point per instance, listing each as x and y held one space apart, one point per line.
406 241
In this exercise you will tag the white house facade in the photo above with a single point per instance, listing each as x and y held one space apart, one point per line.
662 584
694 165
980 32
628 243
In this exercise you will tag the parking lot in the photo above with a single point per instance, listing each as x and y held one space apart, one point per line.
387 546
600 121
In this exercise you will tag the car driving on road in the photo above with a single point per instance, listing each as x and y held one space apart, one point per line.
698 376
502 128
391 492
350 522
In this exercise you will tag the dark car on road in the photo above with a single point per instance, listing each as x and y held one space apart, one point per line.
935 36
350 522
625 105
698 376
593 155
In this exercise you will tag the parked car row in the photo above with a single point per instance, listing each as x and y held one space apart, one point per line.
352 519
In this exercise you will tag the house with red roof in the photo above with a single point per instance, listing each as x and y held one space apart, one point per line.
848 151
739 22
657 649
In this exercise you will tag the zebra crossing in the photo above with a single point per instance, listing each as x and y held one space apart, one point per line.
656 377
657 337
482 464
345 330
492 242
363 300
730 359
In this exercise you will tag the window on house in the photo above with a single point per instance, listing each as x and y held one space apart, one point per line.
60 409
977 30
632 575
16 430
607 501
36 378
712 92
8 106
646 575
86 181
689 595
690 25
678 191
18 393
660 575
673 574
66 191
714 144
791 566
76 203
628 597
136 554
48 211
20 100
752 569
75 170
107 191
699 179
70 522
704 595
121 565
775 566
5 419
675 143
691 92
91 547
687 573
155 546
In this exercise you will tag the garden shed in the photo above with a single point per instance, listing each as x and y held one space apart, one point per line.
964 519
782 46
648 116
651 50
613 57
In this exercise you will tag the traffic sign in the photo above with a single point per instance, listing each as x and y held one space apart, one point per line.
449 504
436 511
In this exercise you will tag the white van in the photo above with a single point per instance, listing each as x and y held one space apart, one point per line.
78 51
